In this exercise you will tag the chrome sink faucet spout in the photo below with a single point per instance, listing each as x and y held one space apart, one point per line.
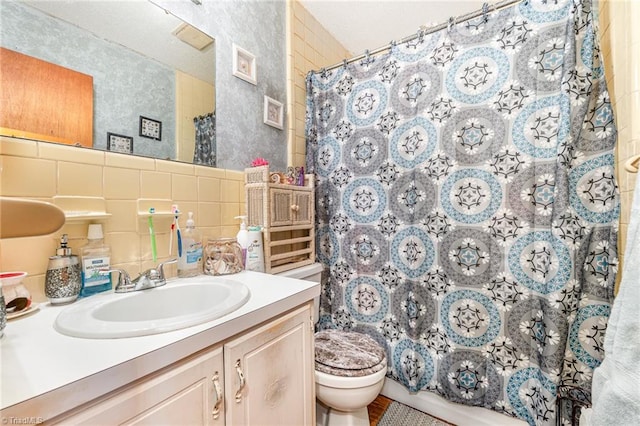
150 278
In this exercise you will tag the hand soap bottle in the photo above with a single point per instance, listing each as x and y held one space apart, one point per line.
96 257
190 261
243 239
63 280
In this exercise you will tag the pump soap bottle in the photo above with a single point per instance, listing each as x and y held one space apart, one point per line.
95 257
243 239
63 280
190 261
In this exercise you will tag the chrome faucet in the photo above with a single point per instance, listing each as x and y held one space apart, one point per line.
150 278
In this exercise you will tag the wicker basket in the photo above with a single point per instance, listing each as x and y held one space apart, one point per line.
289 242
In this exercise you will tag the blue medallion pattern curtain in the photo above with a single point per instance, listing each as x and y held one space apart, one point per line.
205 146
466 205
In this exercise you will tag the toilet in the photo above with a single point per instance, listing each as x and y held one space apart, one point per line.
349 368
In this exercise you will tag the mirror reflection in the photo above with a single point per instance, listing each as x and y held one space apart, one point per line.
151 78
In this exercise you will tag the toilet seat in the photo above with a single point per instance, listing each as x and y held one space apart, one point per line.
348 354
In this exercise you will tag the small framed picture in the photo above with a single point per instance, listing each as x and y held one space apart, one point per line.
273 112
244 65
119 143
150 128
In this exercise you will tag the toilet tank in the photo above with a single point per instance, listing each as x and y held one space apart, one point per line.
311 272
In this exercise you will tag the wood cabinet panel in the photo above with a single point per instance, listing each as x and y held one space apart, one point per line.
182 394
42 100
269 373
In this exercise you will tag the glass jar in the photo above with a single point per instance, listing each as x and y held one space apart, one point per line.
222 256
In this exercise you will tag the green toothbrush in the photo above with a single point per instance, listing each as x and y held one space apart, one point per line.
152 234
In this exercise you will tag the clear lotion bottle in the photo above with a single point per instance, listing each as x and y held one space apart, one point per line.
190 262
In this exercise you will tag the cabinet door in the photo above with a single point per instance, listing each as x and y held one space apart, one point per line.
187 393
281 207
45 101
303 211
269 373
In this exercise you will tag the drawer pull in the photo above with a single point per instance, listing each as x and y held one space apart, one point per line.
242 381
219 397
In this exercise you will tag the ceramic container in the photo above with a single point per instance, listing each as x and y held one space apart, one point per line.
16 296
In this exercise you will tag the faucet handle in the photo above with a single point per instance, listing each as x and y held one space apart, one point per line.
160 268
124 280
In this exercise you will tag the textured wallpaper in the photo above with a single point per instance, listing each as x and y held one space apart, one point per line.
258 27
126 85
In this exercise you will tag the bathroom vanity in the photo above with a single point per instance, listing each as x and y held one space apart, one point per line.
252 366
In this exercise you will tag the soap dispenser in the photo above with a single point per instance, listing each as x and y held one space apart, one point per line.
63 281
243 238
190 261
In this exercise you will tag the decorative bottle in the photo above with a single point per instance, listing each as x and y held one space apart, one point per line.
63 280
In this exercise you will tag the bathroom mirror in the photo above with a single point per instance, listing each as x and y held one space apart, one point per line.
152 73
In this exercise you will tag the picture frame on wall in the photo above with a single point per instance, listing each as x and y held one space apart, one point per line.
273 113
150 128
244 65
119 143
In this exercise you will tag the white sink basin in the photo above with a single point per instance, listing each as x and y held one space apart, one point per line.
178 304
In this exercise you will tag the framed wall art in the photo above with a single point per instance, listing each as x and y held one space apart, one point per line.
244 65
119 143
273 112
150 128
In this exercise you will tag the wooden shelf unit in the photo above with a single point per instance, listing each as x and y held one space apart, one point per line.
286 214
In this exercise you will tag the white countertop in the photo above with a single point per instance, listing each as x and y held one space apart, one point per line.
43 368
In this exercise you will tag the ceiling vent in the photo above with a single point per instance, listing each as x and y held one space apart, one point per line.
193 36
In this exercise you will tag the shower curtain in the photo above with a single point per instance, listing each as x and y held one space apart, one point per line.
466 205
205 147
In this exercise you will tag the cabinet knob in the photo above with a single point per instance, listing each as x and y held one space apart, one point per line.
295 207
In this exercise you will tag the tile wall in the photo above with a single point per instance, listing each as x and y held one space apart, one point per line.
309 47
620 46
45 171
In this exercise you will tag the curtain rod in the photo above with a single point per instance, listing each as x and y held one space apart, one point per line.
422 32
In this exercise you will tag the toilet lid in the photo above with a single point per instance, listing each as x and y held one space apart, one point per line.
347 353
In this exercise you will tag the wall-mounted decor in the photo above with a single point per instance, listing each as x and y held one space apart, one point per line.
119 143
244 65
273 112
150 128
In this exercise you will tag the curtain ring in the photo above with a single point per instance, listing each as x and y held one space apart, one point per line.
344 63
367 54
485 12
452 22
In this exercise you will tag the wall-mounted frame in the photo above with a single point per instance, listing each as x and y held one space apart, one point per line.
119 143
273 112
150 128
244 65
